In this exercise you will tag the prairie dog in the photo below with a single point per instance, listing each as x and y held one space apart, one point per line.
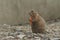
37 22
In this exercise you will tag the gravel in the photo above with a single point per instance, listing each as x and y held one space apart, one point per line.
8 32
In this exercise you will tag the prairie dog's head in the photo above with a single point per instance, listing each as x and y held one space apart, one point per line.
34 16
33 13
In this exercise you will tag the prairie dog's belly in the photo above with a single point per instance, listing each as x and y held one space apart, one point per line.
38 28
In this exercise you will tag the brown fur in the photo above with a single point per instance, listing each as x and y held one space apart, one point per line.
38 23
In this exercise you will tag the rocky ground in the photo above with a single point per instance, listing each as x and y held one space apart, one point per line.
8 32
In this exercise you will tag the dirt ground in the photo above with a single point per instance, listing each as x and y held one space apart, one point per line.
8 32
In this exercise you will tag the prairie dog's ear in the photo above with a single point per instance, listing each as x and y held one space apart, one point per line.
32 11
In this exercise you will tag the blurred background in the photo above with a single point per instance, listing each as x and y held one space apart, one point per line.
16 11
